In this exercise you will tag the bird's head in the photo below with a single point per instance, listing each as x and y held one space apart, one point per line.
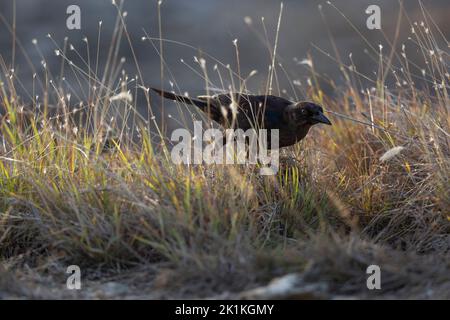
307 113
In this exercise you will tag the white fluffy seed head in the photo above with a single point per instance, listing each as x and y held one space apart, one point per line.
391 153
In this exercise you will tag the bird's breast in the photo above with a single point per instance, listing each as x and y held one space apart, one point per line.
290 136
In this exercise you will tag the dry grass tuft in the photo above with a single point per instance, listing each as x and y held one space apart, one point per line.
350 198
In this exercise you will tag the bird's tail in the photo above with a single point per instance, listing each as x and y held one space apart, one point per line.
169 95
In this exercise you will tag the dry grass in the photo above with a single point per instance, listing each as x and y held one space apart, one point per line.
193 231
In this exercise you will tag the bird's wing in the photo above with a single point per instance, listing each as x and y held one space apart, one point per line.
261 110
250 110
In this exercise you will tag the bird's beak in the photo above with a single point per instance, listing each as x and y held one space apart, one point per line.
322 119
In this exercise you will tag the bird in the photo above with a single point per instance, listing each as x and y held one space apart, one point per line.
246 111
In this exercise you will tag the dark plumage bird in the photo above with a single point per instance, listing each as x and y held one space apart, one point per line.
292 119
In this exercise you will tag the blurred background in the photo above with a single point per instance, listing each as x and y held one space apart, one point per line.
210 26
